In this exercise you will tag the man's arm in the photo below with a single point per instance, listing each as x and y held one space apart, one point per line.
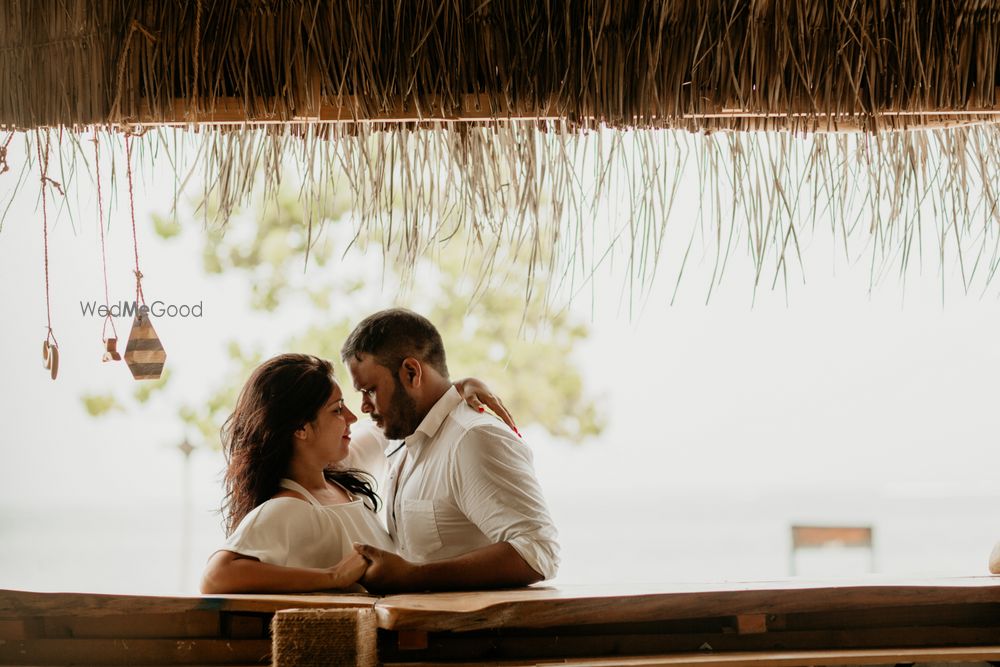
995 559
495 487
494 566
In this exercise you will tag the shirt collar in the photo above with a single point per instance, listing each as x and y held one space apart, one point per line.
432 421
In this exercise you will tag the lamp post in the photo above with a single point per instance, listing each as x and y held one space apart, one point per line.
185 448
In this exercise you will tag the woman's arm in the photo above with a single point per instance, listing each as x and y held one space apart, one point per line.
229 572
995 559
478 396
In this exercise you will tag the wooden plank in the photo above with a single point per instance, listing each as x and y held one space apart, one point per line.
548 607
14 628
245 626
954 615
190 624
784 659
19 604
480 107
135 651
349 109
411 640
567 643
750 624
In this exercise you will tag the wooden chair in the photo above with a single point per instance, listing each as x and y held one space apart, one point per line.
824 537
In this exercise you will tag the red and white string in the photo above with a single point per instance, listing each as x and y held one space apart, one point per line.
139 297
43 167
104 254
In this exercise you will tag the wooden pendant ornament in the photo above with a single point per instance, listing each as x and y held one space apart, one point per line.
144 353
50 358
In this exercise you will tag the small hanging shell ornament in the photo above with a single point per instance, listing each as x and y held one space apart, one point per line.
111 350
50 358
144 353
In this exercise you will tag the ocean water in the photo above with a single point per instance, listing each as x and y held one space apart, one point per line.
607 538
733 538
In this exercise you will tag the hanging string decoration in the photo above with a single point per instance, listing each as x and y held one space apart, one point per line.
110 343
50 347
144 353
4 167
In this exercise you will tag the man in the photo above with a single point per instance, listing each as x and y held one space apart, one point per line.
462 502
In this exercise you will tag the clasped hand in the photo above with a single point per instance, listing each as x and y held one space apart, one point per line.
377 570
386 571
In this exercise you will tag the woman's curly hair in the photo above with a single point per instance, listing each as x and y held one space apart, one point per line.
282 395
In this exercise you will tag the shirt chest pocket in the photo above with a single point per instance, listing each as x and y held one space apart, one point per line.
420 526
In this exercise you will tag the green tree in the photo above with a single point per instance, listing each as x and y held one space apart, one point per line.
523 351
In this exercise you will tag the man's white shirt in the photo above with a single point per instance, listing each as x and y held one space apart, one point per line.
463 481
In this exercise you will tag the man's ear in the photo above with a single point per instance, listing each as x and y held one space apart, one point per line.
411 373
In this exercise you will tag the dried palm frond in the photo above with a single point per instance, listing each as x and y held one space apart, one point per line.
565 131
569 203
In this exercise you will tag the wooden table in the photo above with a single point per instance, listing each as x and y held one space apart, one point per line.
781 623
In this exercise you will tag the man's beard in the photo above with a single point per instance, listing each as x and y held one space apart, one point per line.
401 419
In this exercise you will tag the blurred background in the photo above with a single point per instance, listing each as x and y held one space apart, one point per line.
679 432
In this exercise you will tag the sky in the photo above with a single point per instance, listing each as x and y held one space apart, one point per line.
830 390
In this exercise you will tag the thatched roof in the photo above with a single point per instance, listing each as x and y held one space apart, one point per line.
624 63
483 109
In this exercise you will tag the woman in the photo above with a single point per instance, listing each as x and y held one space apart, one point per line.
299 492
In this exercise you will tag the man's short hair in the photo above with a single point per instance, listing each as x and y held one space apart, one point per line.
393 335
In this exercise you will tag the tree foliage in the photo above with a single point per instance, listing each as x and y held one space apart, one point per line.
522 351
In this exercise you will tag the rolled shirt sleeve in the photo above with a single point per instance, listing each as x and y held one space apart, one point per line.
496 488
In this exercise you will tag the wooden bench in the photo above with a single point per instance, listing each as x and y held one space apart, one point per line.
863 622
86 628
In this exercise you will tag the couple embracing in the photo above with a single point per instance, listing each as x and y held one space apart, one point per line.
462 506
